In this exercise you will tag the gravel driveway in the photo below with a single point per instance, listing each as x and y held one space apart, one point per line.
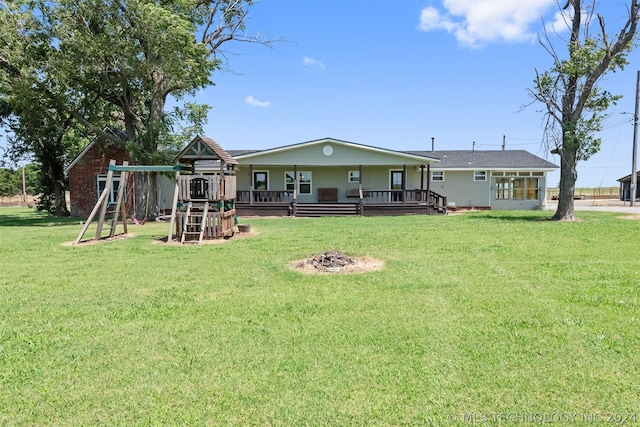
602 205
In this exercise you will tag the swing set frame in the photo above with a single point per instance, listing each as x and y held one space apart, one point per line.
103 201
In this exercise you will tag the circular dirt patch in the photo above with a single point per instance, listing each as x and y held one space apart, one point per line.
335 262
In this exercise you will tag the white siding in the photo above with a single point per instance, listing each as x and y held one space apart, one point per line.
460 188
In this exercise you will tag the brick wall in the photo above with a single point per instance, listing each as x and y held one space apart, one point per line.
83 177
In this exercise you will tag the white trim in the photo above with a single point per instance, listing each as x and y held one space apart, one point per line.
489 169
102 178
484 177
436 180
518 172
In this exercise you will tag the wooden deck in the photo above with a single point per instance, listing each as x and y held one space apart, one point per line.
366 203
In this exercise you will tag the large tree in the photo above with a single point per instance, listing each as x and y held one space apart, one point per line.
130 56
38 128
575 106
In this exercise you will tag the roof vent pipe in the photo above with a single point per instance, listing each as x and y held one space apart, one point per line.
433 144
504 142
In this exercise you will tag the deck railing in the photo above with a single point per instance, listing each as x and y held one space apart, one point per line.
403 197
207 187
264 196
394 197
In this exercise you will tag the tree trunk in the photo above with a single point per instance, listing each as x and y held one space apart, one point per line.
146 184
146 195
55 171
568 178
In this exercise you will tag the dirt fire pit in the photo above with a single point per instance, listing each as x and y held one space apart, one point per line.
334 261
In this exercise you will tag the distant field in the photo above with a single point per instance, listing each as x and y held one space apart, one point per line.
15 201
474 316
597 192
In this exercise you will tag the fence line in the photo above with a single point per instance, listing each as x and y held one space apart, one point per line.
590 192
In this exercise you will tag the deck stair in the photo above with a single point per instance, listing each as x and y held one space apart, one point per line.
327 209
195 220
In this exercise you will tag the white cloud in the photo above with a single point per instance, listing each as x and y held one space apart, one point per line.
310 62
255 103
475 22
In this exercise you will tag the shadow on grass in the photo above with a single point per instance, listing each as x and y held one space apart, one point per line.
34 219
513 215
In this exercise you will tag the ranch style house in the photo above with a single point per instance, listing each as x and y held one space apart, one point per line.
334 177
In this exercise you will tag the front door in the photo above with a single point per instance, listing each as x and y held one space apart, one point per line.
396 185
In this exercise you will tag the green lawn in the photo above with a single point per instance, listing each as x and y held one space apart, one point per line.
485 314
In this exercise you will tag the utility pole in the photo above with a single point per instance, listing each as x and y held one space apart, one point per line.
634 176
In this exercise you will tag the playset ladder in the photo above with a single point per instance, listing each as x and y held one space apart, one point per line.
102 204
194 223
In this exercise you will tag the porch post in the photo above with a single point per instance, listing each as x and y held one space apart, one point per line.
421 177
428 182
360 196
251 184
404 184
295 190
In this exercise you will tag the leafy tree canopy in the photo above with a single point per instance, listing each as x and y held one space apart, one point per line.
100 63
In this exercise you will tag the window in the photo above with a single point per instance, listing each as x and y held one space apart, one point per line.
517 188
502 188
304 182
532 188
396 184
115 185
354 176
479 175
260 181
397 180
511 188
437 175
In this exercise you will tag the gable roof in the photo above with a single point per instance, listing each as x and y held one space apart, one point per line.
203 148
488 159
116 132
325 158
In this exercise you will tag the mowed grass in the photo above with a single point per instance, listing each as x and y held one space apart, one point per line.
480 313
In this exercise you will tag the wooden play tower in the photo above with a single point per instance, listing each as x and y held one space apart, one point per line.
204 194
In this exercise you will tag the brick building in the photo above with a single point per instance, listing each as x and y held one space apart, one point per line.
88 173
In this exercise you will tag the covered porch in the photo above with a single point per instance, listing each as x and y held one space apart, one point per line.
334 177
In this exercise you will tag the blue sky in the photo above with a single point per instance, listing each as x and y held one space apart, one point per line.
395 73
